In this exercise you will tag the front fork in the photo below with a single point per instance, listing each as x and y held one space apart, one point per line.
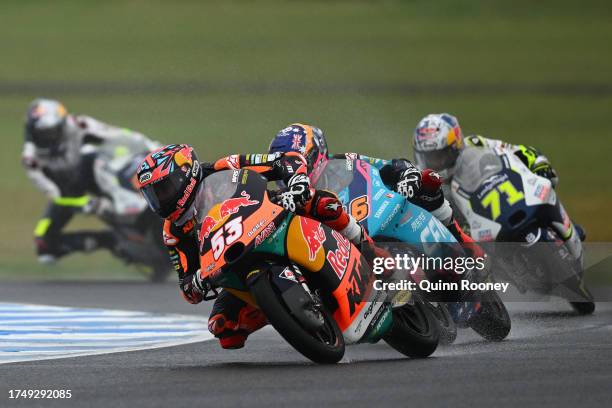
295 293
563 226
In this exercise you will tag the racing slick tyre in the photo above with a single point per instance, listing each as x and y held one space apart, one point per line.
583 308
415 332
446 325
492 320
323 346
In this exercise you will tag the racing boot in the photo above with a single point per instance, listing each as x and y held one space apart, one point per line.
462 312
232 320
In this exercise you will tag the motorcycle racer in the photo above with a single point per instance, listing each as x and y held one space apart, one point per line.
170 179
438 141
59 153
421 187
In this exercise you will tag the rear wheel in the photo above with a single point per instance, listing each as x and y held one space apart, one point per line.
492 320
324 345
414 332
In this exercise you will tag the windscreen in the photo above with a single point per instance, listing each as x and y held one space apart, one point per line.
215 189
474 166
336 176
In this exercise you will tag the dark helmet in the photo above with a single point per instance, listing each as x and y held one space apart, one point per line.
45 121
305 139
168 179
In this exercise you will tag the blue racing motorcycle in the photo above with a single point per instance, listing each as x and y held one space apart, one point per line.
389 217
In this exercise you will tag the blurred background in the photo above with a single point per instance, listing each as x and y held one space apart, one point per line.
225 76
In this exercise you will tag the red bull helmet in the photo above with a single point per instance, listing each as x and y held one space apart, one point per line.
304 139
437 141
168 178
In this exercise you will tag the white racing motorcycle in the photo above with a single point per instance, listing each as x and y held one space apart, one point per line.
501 200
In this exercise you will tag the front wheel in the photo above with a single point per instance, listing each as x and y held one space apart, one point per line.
583 308
324 345
586 306
414 332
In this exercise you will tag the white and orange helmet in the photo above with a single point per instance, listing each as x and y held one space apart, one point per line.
437 142
44 124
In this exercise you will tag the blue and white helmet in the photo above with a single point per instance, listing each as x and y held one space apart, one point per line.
437 141
305 139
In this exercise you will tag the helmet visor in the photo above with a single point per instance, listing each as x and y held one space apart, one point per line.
437 159
163 195
47 138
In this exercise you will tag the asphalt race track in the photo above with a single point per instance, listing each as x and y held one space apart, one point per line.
552 358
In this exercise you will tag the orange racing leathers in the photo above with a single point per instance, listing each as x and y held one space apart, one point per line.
231 319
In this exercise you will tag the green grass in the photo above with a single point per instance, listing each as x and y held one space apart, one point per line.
334 64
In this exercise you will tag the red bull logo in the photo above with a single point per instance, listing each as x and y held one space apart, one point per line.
208 224
227 208
338 259
232 205
313 233
188 190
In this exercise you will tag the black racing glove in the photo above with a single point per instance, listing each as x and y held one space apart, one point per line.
297 193
409 184
546 170
204 287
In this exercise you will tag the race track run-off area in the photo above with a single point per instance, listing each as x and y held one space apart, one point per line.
39 332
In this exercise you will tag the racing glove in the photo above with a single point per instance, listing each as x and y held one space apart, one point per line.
100 206
203 287
296 194
409 183
544 169
432 198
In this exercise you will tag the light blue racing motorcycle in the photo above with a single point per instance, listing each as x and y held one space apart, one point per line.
389 217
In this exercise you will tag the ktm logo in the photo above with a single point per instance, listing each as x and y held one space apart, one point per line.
358 283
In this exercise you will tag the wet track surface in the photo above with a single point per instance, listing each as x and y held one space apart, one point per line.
552 358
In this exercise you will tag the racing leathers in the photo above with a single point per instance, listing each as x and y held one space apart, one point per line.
232 319
421 187
531 157
65 174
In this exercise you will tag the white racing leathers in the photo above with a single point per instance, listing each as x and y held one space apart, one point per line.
88 171
60 172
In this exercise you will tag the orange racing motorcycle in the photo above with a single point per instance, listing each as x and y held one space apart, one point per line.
313 285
